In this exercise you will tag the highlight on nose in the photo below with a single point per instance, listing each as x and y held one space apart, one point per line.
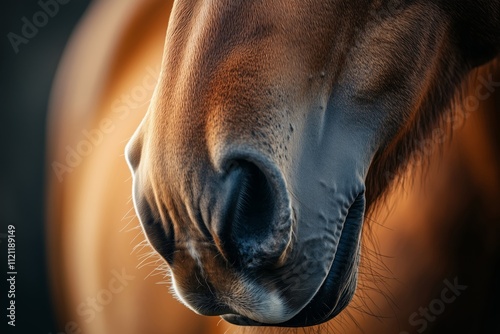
249 228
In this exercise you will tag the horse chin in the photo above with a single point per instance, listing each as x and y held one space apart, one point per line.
323 307
337 288
322 302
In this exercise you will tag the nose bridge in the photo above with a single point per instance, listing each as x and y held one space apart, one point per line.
230 90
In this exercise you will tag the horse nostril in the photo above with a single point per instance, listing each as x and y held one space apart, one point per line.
254 207
248 225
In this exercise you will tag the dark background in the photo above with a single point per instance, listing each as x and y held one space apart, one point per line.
25 81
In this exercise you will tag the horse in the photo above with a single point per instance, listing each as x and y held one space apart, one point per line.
273 131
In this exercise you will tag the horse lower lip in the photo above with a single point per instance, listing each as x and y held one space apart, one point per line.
240 320
307 317
331 298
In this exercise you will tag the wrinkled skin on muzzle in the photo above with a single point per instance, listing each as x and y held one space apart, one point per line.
251 164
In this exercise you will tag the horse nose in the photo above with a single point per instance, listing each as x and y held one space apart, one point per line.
254 228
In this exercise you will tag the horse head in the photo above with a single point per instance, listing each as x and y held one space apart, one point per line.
270 134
